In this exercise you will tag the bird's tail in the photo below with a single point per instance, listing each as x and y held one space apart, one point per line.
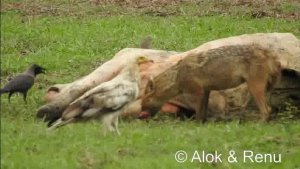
3 91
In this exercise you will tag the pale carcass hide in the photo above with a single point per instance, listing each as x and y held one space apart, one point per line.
58 97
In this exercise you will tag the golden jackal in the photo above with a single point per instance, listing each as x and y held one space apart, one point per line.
216 69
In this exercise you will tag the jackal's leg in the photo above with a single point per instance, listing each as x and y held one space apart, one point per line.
258 90
199 102
204 106
193 102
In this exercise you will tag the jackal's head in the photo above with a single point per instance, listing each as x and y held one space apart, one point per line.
151 101
159 90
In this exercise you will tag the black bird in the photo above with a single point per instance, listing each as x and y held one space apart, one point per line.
22 82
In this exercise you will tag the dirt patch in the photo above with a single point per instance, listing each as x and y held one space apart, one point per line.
286 9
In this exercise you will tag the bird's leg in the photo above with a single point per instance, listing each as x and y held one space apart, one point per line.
104 130
115 124
111 127
9 95
24 97
107 124
107 127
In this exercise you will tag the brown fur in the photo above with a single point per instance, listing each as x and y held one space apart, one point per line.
216 69
146 43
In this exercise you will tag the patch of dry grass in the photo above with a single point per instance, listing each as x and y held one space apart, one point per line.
286 9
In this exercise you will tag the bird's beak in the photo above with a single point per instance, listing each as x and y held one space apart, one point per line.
43 70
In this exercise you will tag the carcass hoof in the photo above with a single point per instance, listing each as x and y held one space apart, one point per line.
44 111
49 113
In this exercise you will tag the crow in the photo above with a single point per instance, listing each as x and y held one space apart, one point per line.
22 82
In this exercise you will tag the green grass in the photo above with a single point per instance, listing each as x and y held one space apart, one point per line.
27 144
72 46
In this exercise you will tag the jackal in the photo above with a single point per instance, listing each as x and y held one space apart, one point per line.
216 69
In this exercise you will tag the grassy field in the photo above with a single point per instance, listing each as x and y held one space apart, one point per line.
70 39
